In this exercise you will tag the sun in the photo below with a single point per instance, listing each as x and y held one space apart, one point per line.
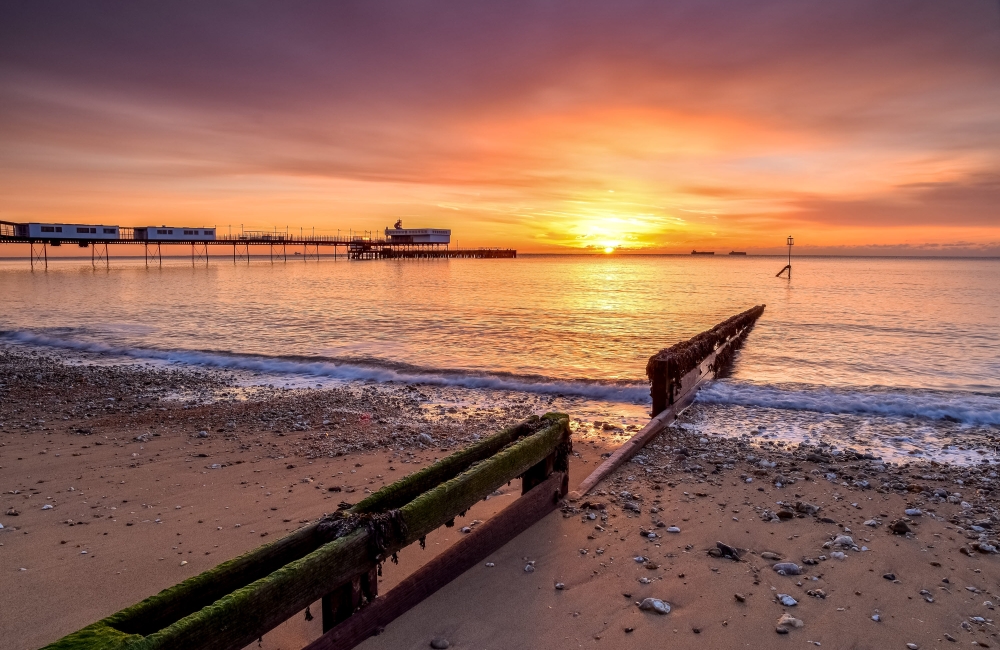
609 249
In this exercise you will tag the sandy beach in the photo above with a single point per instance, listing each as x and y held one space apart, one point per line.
121 480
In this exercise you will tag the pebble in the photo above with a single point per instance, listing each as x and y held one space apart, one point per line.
673 529
655 605
787 600
560 586
490 565
47 506
438 643
787 620
913 512
838 555
768 555
202 434
529 568
912 646
427 440
889 576
728 551
465 529
787 569
899 527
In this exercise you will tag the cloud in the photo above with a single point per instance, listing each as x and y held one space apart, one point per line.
647 123
973 201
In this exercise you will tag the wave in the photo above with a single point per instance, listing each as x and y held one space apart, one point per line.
380 371
963 408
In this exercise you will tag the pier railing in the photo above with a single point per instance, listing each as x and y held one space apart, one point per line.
339 557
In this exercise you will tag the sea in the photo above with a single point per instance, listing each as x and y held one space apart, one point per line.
899 357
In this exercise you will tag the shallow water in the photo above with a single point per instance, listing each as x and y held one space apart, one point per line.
903 355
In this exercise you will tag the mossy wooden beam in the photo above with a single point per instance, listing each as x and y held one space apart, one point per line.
197 592
239 617
464 554
408 488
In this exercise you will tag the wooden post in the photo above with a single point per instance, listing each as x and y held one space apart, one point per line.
537 473
369 584
340 603
464 554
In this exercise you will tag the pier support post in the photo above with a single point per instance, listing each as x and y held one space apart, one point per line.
198 254
243 252
153 253
39 254
97 255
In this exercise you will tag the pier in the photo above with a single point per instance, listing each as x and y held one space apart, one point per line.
276 246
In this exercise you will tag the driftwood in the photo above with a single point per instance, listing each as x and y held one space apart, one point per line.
237 602
459 558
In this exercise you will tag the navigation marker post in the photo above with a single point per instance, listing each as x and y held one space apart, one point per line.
791 242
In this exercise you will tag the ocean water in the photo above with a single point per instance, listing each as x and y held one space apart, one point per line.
896 355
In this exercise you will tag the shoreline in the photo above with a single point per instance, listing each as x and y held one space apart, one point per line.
136 490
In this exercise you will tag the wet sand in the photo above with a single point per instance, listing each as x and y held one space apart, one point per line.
141 500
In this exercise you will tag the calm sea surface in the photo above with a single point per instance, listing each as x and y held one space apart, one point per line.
901 356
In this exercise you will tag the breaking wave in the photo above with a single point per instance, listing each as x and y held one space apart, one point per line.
959 407
637 393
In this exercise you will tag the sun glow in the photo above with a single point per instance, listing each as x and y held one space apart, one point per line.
609 249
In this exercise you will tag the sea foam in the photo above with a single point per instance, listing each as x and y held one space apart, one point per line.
631 392
957 407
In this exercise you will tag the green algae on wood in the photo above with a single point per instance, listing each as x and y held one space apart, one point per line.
258 595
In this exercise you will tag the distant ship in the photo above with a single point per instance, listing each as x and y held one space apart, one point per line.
703 252
737 252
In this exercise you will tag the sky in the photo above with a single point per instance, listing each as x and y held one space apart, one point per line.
856 126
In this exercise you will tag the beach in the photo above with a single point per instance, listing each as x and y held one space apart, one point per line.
499 325
156 474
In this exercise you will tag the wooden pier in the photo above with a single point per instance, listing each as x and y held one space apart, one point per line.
275 246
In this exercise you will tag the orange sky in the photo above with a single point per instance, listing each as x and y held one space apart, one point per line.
549 127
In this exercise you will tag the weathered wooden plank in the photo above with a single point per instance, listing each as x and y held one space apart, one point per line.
438 572
239 617
667 367
408 488
462 492
674 399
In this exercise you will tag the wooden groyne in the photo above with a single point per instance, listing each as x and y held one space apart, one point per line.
668 368
338 558
675 374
